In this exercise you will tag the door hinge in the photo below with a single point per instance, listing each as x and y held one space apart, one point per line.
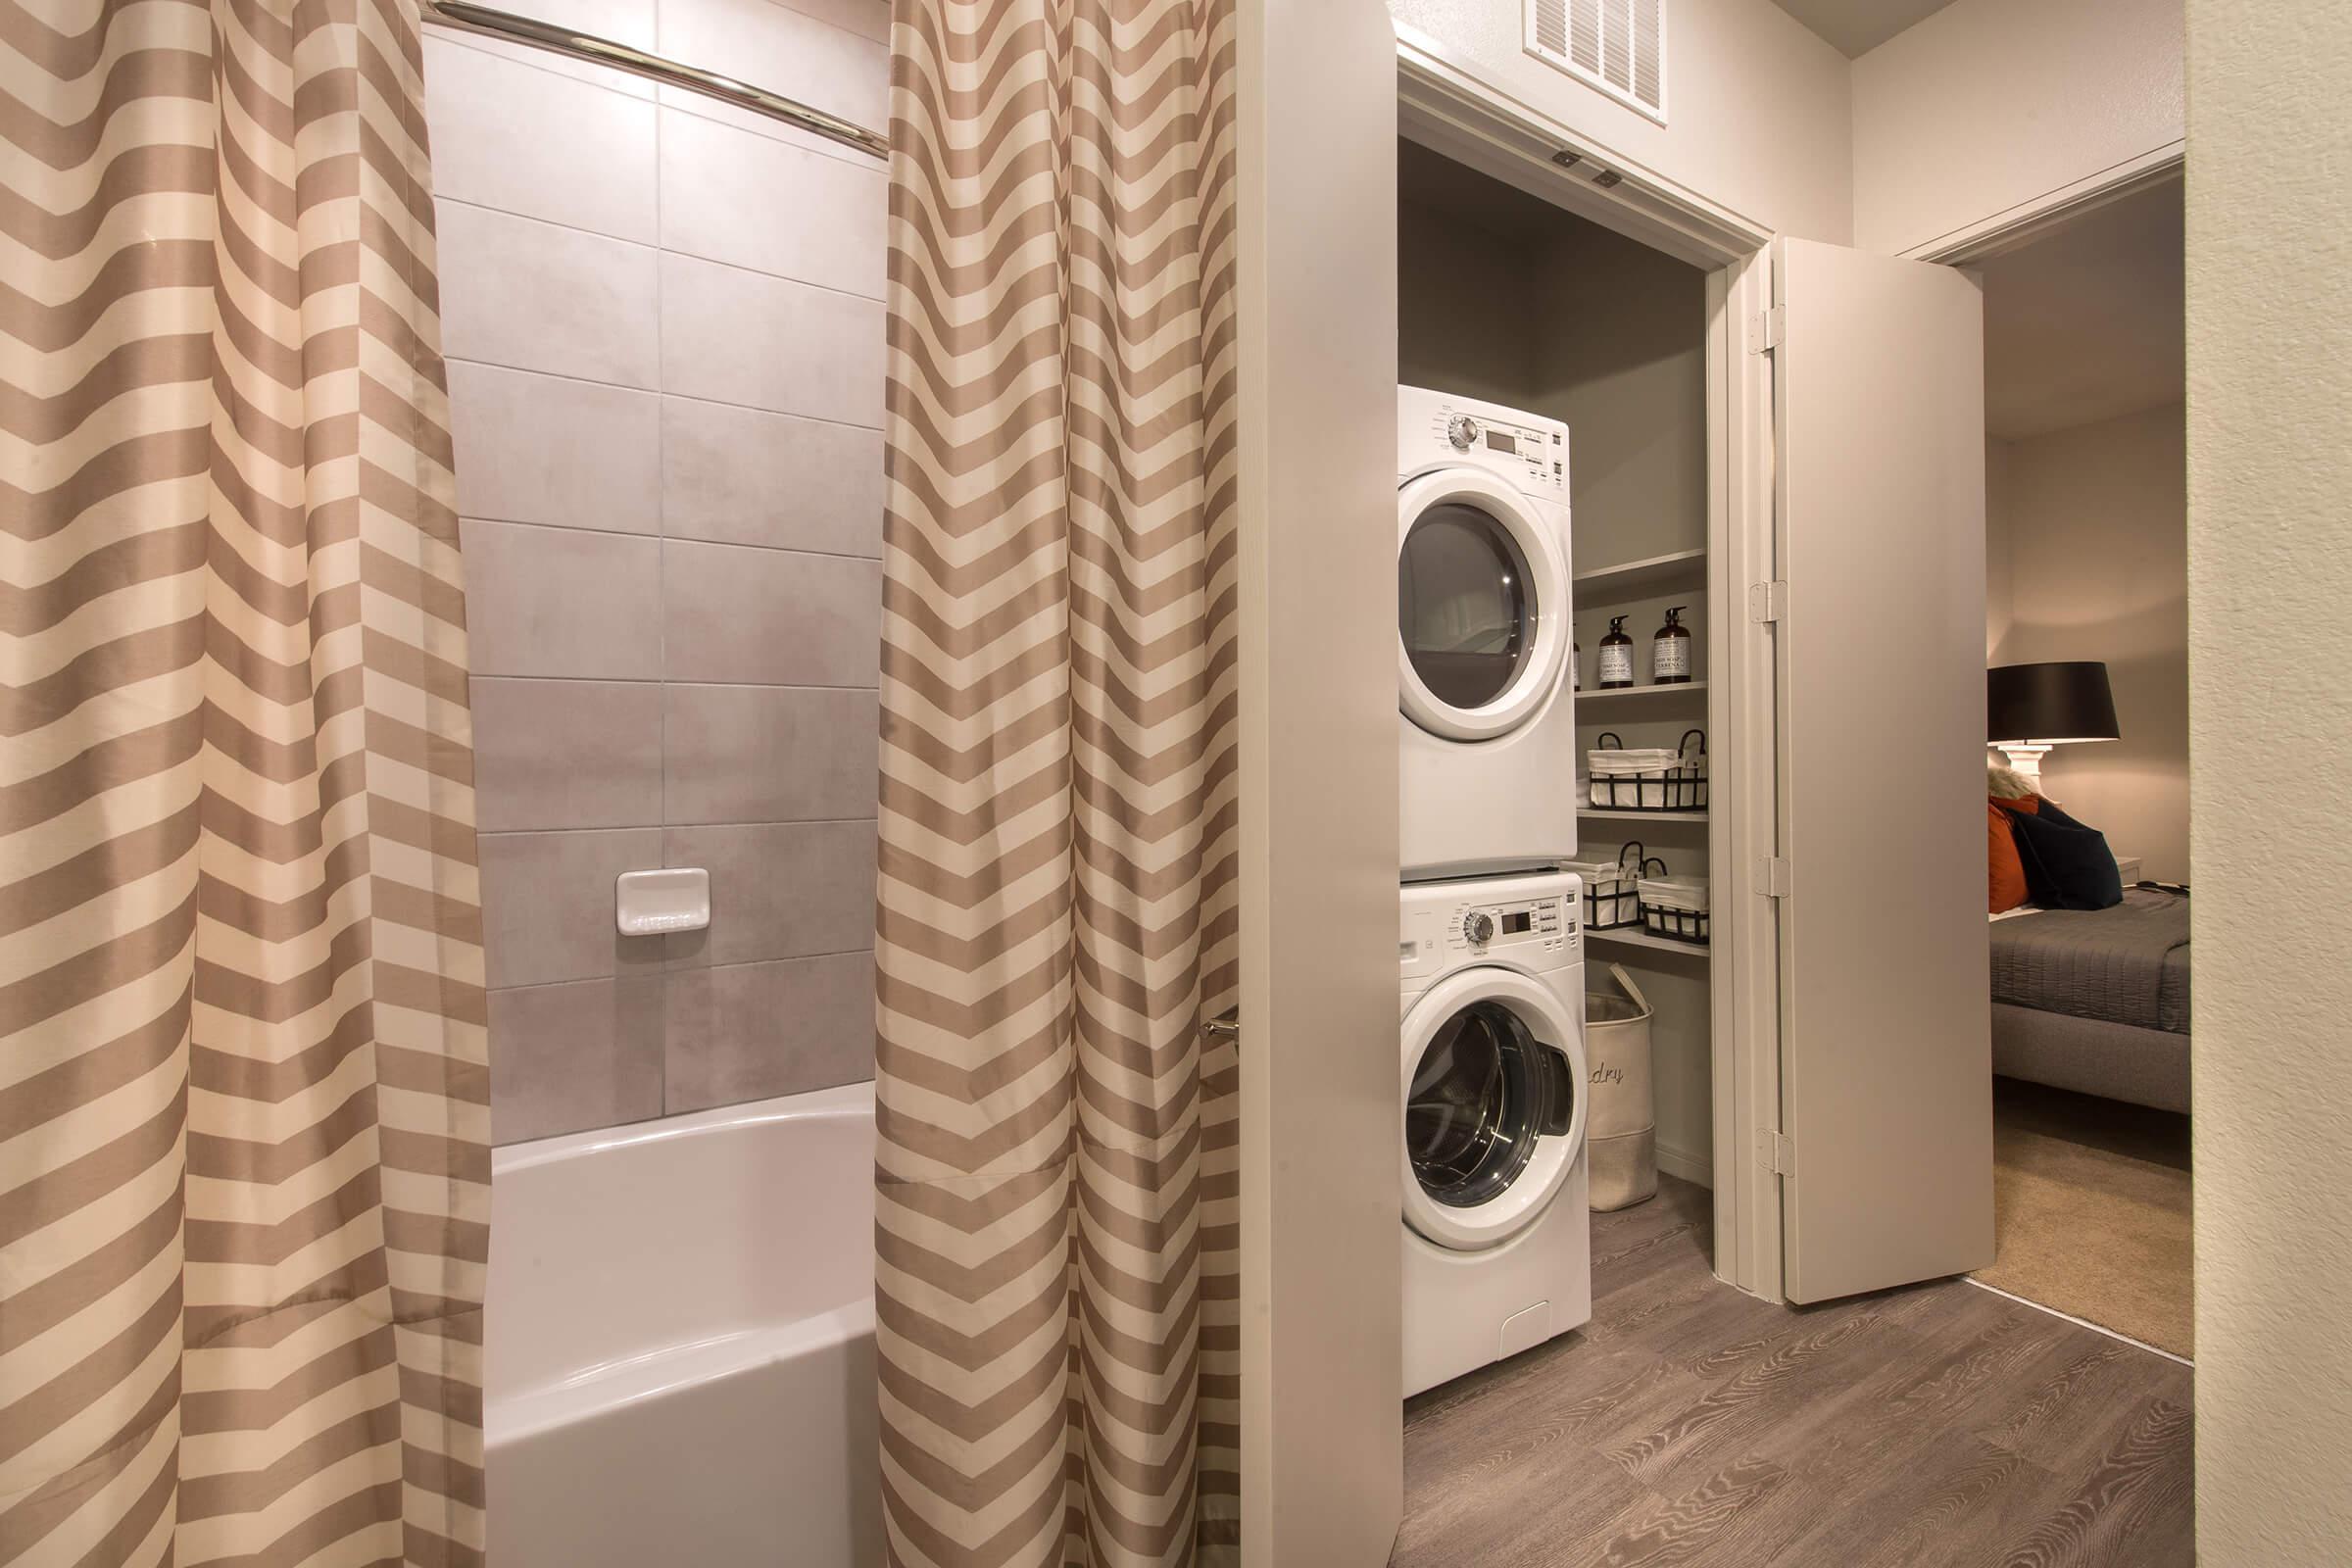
1775 1153
1768 603
1772 876
1766 328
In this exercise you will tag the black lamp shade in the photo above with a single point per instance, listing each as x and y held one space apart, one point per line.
2061 702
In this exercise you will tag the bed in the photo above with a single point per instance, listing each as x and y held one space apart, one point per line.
2096 1001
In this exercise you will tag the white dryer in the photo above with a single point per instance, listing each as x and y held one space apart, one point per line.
1483 638
1497 1232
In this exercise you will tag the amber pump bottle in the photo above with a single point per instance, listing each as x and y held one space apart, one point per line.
1669 651
1616 657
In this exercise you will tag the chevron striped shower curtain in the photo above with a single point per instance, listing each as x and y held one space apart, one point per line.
1056 1278
244 1166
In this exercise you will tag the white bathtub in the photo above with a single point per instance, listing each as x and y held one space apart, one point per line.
681 1361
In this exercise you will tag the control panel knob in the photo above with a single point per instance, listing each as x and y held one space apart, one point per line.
1479 926
1461 430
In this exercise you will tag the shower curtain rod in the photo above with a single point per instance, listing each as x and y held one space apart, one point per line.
467 16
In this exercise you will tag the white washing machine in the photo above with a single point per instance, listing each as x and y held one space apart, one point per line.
1483 638
1497 1234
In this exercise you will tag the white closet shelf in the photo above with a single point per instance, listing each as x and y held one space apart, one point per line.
1619 694
1603 813
1644 579
1632 938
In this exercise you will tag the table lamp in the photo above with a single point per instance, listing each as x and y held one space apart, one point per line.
2030 707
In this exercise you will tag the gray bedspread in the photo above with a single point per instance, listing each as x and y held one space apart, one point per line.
2129 965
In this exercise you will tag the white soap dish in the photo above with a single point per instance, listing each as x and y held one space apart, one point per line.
652 904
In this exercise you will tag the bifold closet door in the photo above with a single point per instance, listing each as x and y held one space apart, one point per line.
1887 1069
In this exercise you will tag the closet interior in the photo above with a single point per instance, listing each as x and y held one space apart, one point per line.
1505 297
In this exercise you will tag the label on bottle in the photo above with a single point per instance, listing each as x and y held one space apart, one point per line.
1669 657
1616 664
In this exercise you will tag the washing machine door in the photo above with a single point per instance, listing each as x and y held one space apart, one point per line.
1482 605
1493 1068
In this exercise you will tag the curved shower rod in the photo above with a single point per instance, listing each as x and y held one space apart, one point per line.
467 16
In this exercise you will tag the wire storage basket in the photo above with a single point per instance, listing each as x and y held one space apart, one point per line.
1674 907
1612 888
1648 778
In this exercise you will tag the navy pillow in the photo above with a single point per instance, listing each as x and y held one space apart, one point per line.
2068 866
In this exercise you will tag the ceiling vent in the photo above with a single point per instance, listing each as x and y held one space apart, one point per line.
1618 46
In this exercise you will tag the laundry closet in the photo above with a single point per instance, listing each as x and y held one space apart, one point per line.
1778 442
1504 297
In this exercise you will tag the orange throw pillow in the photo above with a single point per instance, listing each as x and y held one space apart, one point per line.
2004 872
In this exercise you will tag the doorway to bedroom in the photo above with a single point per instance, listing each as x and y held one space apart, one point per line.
2086 643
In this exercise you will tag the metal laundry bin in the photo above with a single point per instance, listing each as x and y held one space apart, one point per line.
1621 1117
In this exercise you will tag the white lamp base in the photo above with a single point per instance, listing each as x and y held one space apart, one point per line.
2026 758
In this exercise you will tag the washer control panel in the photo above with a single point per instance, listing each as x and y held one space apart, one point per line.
1502 921
1534 932
1542 923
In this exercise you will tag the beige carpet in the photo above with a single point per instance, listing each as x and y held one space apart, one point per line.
2091 1211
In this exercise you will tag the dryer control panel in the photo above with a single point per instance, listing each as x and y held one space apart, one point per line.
1434 428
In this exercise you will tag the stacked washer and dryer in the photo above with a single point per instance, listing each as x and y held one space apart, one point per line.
1498 1236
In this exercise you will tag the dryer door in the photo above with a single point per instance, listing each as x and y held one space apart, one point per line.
1482 605
1493 1068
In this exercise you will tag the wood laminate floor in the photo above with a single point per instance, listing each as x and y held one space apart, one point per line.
1692 1424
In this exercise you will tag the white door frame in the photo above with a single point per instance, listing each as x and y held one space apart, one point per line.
1321 1399
2027 221
1445 107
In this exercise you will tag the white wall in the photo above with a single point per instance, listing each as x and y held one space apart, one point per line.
1621 355
2270 375
1990 103
1622 358
1475 344
1758 112
1985 106
1998 612
2086 556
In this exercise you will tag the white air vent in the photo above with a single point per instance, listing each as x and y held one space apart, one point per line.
1616 45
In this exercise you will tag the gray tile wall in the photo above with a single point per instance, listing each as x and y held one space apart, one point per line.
665 327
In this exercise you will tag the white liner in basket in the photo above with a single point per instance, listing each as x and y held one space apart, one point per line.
1613 896
1676 893
1647 778
1616 780
1675 907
